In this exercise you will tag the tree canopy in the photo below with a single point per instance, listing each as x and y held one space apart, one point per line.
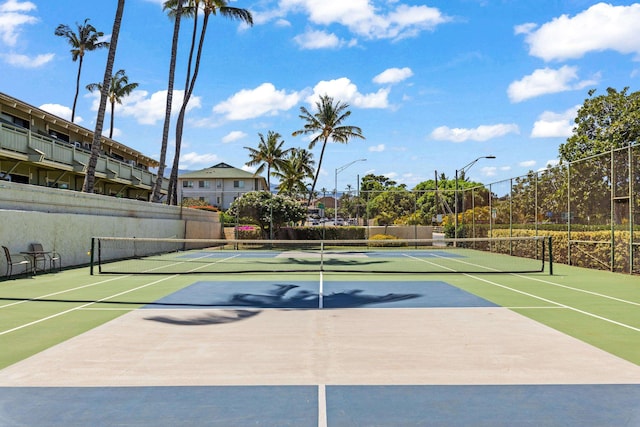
603 123
269 211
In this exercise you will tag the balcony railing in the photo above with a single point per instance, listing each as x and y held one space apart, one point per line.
69 157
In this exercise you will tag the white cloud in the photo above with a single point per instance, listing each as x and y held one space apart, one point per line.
116 132
197 161
550 164
481 133
600 27
265 100
24 61
489 170
148 110
361 17
17 6
61 111
344 90
524 28
12 17
233 136
555 125
377 148
545 81
527 163
393 75
317 40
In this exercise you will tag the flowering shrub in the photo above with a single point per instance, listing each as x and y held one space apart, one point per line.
247 232
267 210
205 208
385 240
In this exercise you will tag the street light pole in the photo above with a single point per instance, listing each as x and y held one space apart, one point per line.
335 199
462 170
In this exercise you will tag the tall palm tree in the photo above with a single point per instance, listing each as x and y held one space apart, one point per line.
327 124
269 155
86 39
119 88
175 12
294 172
90 177
209 7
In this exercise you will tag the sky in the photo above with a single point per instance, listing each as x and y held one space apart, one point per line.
433 84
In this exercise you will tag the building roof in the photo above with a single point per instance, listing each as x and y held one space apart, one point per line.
221 170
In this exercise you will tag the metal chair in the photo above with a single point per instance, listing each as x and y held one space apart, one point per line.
16 260
40 255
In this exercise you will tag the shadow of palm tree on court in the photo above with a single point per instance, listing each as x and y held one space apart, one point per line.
281 296
228 316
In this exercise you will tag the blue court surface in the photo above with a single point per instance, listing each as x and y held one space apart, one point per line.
306 294
346 406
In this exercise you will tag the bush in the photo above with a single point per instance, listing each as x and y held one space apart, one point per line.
248 232
321 233
385 240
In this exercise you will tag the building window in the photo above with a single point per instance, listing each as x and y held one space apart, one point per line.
204 184
219 183
187 184
238 184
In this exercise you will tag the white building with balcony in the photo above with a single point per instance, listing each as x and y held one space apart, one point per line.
219 185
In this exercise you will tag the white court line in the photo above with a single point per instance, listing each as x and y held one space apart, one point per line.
322 405
544 281
578 289
35 299
53 316
321 291
187 262
577 310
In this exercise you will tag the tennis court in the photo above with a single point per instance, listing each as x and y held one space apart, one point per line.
330 342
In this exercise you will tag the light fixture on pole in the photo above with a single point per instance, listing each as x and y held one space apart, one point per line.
462 170
335 191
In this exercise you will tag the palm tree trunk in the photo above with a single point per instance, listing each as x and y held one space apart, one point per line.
173 180
89 179
315 178
75 98
113 107
156 197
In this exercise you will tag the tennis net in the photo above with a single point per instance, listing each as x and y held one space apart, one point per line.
128 255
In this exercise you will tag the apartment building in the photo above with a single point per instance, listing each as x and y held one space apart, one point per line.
39 148
218 185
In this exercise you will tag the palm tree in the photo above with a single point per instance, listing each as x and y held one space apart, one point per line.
90 178
176 13
294 172
209 7
327 124
86 40
119 88
269 154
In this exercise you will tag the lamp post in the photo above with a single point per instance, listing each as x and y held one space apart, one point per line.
335 200
462 170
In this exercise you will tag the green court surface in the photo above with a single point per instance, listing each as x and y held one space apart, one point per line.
600 308
321 348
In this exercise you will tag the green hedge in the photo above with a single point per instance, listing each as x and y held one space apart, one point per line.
589 249
321 233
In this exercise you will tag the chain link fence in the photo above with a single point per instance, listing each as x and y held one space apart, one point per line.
590 207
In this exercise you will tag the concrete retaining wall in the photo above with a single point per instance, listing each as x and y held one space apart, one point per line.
65 221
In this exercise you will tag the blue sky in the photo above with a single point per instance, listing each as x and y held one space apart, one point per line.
433 84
